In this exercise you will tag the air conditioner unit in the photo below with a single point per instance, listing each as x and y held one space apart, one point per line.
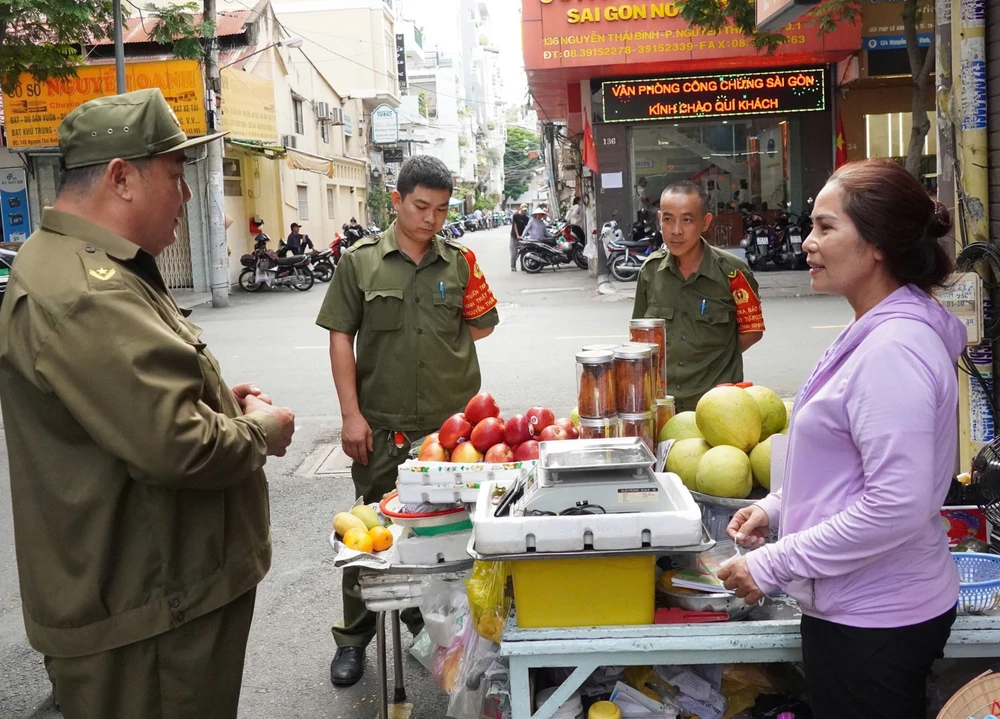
336 116
322 111
288 141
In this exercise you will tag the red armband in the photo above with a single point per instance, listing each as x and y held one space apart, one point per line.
749 316
478 298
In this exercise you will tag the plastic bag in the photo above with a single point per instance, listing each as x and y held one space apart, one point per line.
444 607
423 649
488 599
590 251
446 662
469 690
742 684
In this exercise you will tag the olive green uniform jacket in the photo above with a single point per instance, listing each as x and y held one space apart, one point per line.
139 498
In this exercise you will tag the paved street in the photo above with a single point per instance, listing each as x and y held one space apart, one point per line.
271 339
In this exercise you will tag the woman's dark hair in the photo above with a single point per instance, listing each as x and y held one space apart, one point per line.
423 171
893 212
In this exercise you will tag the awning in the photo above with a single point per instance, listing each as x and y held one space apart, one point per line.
309 162
258 146
455 202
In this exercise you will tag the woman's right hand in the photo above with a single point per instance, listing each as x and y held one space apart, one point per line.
749 527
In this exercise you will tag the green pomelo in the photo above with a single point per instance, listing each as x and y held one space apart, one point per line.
681 426
760 463
773 415
729 416
683 459
724 471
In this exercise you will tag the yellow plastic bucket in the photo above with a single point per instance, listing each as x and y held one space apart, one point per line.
598 592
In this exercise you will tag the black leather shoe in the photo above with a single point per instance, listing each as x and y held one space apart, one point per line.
348 666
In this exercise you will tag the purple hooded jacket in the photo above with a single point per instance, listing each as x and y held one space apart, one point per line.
871 453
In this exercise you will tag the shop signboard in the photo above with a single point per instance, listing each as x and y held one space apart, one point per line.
248 111
35 107
716 95
401 63
394 153
882 25
385 125
14 201
619 33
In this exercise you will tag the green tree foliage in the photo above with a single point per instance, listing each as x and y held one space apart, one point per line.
175 26
517 165
44 37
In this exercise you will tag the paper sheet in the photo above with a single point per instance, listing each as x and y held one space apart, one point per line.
611 181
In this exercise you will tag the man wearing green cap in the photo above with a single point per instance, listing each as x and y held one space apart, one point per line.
141 518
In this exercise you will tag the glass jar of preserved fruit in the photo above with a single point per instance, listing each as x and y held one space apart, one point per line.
666 408
634 378
642 424
595 383
654 331
604 428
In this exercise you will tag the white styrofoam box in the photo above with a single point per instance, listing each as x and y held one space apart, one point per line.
676 527
424 551
447 483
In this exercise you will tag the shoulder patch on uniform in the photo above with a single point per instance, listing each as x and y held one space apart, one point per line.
457 245
363 242
102 273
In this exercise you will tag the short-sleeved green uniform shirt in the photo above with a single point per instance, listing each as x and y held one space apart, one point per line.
416 360
702 345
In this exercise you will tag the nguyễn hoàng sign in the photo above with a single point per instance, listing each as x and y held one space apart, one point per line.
718 95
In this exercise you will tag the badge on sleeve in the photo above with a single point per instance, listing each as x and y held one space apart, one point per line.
749 316
478 299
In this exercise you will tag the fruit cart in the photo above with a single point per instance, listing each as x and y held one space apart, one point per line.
771 634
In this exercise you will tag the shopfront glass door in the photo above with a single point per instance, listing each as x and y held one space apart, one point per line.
739 162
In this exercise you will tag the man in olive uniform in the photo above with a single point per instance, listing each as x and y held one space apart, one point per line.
708 297
414 305
141 518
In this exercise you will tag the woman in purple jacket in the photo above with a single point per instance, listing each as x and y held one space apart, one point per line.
871 453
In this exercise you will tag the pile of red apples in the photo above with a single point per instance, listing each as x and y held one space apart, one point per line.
479 434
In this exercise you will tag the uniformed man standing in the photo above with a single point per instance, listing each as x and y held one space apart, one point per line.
413 304
141 519
708 297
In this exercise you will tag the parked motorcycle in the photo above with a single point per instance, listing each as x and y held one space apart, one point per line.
645 229
780 244
321 265
563 247
625 257
264 267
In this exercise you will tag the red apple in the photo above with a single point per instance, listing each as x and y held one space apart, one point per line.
525 451
428 439
516 430
553 433
455 430
480 407
499 454
487 433
538 419
466 453
433 452
572 430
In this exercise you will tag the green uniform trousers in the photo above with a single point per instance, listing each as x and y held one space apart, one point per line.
192 672
372 482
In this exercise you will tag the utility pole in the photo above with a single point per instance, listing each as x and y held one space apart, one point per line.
218 257
119 48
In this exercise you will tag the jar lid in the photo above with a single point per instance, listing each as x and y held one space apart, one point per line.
611 347
634 351
598 422
668 401
647 323
653 347
595 356
640 417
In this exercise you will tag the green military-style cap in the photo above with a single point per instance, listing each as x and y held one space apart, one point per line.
129 126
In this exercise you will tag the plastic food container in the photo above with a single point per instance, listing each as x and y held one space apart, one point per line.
430 524
642 425
666 408
634 378
595 383
654 331
603 428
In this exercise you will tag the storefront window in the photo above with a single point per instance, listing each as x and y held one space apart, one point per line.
888 135
741 163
